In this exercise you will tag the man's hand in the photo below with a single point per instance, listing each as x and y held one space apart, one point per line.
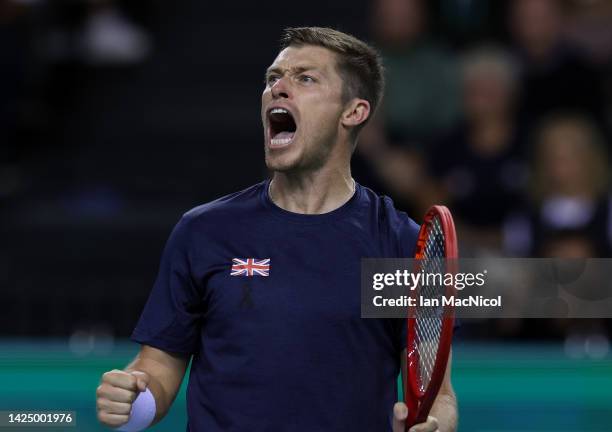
400 414
116 393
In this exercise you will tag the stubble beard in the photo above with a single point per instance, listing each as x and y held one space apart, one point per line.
312 159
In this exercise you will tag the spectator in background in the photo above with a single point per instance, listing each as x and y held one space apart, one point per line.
478 168
420 103
590 28
570 207
421 98
555 74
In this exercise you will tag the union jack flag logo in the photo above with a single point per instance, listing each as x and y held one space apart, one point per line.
250 267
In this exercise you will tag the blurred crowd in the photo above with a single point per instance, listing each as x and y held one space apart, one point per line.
510 127
501 110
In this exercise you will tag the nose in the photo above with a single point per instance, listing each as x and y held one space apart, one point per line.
280 89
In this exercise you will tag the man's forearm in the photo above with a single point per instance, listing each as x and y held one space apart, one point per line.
445 410
165 373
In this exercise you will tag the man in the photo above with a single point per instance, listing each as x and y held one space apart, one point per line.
261 287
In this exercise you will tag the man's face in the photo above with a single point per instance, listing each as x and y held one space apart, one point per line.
537 25
301 108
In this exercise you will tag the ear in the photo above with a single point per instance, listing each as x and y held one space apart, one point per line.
357 111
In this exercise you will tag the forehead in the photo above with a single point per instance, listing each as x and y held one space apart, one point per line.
309 56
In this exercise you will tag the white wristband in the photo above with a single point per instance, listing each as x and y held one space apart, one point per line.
142 414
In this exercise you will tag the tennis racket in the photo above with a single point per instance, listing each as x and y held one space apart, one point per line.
430 329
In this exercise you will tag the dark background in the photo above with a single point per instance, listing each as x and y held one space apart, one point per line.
118 116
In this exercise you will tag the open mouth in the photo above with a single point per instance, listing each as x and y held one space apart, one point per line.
282 127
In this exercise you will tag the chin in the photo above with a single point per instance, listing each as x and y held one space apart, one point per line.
294 159
280 164
282 160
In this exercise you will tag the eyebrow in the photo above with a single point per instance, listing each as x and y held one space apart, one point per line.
295 69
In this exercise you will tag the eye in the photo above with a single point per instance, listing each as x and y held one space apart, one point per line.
306 79
271 79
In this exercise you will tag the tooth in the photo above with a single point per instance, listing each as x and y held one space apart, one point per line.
280 141
279 111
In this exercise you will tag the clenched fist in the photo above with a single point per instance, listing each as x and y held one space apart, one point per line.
117 391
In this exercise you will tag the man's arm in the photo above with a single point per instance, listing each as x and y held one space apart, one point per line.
443 414
166 372
160 371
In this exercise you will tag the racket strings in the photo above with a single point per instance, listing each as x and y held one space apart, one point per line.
428 319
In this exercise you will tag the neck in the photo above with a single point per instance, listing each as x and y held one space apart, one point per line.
313 192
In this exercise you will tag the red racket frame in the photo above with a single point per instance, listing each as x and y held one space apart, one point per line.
419 403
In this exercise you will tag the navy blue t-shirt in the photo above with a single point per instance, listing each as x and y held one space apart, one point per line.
281 347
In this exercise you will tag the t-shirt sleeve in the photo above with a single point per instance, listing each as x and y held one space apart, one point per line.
171 318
